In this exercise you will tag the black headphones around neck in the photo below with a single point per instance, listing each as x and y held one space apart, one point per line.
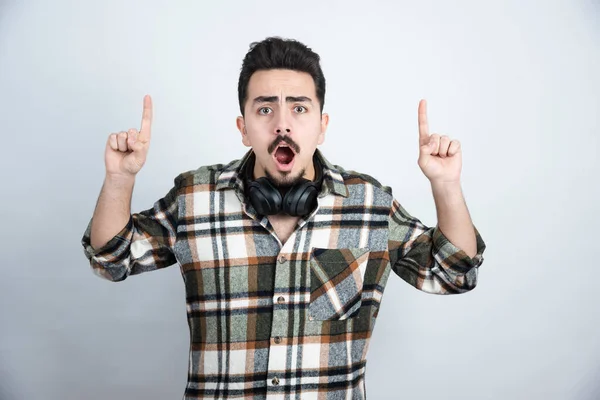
299 200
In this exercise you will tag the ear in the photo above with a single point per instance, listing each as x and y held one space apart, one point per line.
324 124
241 125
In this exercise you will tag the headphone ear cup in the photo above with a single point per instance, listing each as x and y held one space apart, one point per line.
300 200
264 197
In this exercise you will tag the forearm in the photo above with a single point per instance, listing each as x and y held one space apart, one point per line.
112 210
453 216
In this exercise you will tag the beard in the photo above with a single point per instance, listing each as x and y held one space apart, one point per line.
285 180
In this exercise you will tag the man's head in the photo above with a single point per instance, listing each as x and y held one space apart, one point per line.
281 92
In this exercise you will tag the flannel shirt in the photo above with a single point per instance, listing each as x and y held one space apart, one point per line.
282 321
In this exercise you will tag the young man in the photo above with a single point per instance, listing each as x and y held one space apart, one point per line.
284 255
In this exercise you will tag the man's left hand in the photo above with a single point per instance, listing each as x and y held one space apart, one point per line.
440 158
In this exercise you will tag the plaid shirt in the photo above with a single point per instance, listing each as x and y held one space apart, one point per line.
282 321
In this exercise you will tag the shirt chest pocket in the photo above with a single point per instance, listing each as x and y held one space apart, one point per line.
336 282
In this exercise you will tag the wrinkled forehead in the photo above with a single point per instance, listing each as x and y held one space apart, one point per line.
281 83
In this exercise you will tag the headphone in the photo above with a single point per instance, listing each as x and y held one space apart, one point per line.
299 200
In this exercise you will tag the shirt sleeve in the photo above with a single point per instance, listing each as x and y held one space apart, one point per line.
425 258
144 244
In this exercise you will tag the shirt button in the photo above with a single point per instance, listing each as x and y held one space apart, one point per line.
277 339
275 381
281 299
282 259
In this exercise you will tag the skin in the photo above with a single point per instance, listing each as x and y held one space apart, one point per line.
282 103
124 156
440 160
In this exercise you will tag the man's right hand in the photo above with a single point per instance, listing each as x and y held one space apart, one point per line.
126 151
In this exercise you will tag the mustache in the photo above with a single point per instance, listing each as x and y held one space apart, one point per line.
285 139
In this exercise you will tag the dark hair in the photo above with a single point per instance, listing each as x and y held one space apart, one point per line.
278 53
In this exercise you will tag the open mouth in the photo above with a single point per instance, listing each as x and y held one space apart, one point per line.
284 154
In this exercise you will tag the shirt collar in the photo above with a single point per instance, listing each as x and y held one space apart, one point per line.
231 178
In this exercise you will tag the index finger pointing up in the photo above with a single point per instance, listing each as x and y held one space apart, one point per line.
423 124
146 120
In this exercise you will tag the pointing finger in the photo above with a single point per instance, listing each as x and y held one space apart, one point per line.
144 136
423 124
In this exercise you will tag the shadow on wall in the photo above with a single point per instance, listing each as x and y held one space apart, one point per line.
591 12
588 388
7 390
5 8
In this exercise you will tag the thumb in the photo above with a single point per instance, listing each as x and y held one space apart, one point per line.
138 148
426 150
134 143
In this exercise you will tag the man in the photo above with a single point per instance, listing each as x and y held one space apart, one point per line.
284 255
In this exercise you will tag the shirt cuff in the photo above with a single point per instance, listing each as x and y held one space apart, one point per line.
454 258
113 249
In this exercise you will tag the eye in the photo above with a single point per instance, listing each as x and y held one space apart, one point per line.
264 110
300 109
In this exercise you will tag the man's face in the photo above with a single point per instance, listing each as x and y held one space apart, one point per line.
283 125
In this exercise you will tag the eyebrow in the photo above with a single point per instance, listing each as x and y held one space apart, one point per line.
289 99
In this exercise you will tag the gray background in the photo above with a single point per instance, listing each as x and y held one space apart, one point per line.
513 81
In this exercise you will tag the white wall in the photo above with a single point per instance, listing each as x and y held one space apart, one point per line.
514 81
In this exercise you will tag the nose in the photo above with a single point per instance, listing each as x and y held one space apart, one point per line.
283 125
